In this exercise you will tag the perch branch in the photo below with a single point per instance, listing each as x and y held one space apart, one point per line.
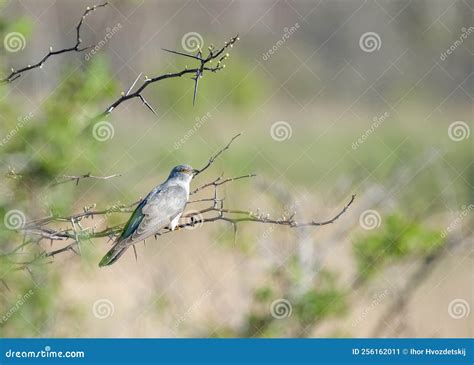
76 48
212 209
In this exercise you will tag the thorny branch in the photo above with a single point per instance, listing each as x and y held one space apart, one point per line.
205 64
76 179
76 48
75 233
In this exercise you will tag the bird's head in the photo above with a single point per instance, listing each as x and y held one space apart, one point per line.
182 172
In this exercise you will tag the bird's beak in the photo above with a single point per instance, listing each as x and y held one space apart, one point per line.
195 172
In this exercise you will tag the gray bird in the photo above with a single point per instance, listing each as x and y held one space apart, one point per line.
162 207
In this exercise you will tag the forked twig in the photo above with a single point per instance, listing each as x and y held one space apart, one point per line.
15 74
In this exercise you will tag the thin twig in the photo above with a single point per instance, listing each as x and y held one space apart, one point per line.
219 181
76 179
76 48
213 158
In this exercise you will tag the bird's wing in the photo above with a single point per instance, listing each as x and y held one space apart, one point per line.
136 217
156 211
159 211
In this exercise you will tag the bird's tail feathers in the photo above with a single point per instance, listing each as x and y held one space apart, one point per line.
113 255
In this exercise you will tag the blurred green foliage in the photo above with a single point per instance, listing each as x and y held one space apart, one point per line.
396 238
321 300
39 146
324 300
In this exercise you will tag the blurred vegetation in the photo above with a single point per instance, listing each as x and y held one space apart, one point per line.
42 145
322 300
397 238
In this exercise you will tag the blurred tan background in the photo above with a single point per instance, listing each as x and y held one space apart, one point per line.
334 98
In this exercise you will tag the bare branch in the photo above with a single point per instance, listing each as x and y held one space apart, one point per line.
189 219
213 158
212 209
219 181
15 74
197 72
76 179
